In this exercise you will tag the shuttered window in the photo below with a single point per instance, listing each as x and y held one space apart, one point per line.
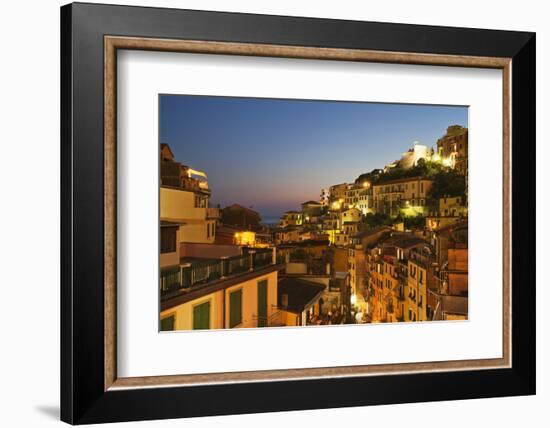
201 316
167 324
235 308
168 239
262 303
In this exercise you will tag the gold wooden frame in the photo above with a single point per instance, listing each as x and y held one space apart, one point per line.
113 43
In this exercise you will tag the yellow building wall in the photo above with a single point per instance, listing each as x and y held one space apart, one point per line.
198 232
390 287
447 205
250 299
184 313
419 303
290 319
179 205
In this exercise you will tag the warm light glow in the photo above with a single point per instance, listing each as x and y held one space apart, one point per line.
247 238
192 171
353 299
447 162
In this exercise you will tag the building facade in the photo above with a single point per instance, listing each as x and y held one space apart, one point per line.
407 195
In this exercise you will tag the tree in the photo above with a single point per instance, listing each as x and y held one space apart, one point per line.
448 183
414 222
377 219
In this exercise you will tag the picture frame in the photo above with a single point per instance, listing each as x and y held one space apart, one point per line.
91 391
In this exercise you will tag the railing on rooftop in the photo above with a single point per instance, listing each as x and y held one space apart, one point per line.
202 272
184 183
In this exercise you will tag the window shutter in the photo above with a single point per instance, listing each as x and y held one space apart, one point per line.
201 316
167 324
235 308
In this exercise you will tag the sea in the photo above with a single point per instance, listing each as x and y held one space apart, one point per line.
270 220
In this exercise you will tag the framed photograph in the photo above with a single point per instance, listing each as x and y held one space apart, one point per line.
255 208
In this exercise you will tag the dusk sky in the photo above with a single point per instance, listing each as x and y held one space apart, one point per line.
272 155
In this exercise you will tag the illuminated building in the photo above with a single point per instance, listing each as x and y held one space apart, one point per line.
405 195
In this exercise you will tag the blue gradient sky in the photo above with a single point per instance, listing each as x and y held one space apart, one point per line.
272 154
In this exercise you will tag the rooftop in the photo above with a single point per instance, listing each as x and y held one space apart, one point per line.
373 231
306 243
301 294
401 180
404 242
166 223
183 295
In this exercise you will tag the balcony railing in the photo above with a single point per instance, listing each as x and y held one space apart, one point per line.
262 258
199 273
273 320
213 213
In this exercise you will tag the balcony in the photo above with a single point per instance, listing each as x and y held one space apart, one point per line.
171 176
213 213
198 273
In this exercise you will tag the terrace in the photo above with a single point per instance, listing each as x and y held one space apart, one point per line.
194 273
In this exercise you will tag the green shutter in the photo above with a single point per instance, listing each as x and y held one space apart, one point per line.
262 303
235 308
167 324
201 316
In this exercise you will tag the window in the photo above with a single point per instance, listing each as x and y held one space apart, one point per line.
235 308
168 239
167 324
201 316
